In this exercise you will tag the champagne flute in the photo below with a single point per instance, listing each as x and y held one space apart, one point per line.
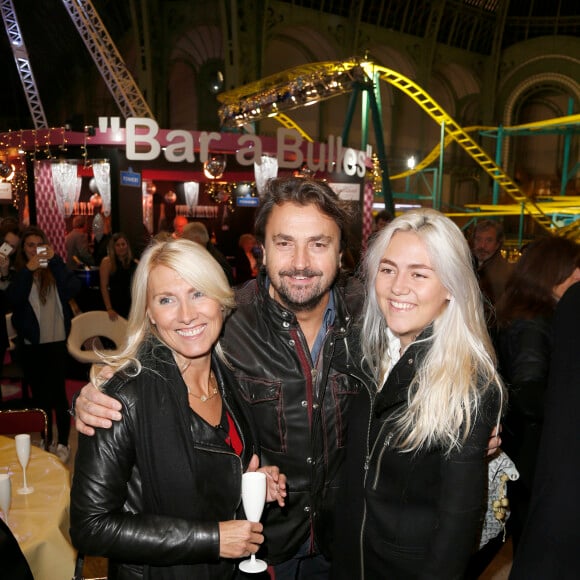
23 453
5 494
253 499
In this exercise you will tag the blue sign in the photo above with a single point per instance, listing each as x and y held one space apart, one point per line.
130 178
247 201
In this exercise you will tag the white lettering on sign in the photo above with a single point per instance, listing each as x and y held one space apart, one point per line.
142 144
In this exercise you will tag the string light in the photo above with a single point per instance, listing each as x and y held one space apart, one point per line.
222 192
377 176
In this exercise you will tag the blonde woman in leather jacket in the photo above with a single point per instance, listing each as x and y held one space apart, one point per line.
415 475
159 493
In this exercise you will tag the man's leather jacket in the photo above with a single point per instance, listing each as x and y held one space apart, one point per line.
300 409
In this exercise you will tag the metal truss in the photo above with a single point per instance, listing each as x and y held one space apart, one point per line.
23 64
111 65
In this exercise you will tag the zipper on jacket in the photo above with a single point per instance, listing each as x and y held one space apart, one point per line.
386 444
367 462
360 542
366 471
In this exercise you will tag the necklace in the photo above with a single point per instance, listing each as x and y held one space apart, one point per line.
213 390
186 366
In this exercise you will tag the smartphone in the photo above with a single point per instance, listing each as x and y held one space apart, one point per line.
6 249
42 250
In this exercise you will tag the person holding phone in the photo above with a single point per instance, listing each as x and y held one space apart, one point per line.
9 240
39 295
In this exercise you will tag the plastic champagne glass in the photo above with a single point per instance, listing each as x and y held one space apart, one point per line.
253 499
23 453
5 494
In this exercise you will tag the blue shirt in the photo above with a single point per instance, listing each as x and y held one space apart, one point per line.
327 322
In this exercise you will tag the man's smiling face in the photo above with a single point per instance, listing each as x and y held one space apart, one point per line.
301 255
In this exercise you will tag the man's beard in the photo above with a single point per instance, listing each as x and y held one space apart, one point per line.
316 293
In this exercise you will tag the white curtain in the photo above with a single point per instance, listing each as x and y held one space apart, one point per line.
147 206
67 186
264 171
102 171
191 189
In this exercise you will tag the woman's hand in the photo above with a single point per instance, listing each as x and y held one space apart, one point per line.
112 314
34 263
494 441
240 538
49 254
275 481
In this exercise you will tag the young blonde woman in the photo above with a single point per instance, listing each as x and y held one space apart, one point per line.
415 478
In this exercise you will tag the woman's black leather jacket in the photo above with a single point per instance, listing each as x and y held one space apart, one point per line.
107 498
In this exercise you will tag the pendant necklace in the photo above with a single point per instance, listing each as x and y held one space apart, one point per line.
213 390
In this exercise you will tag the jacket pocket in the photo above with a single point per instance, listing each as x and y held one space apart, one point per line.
266 405
344 389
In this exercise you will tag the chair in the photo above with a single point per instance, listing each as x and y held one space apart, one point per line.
79 569
14 421
94 325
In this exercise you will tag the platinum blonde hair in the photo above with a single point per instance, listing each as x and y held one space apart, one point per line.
459 365
194 264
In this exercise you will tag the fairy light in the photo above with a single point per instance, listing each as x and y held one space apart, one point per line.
222 192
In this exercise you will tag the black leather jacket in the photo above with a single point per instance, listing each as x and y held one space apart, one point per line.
408 515
107 498
300 409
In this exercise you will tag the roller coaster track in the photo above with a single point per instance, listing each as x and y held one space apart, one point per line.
435 152
273 91
462 137
559 123
287 122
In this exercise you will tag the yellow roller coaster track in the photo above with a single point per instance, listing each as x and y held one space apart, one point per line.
287 122
268 87
551 124
457 133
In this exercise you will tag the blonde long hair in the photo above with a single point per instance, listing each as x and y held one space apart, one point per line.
195 265
459 365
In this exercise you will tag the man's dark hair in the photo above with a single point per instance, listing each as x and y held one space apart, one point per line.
9 225
490 224
385 215
302 191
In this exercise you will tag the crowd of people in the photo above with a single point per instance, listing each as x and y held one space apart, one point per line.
372 400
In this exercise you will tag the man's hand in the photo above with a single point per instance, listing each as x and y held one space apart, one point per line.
95 409
276 481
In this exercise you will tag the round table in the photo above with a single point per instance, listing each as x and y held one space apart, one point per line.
40 520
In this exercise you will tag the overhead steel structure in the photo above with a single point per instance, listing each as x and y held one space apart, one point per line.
102 49
111 65
23 64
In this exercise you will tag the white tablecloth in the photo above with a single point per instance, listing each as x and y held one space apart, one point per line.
40 520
